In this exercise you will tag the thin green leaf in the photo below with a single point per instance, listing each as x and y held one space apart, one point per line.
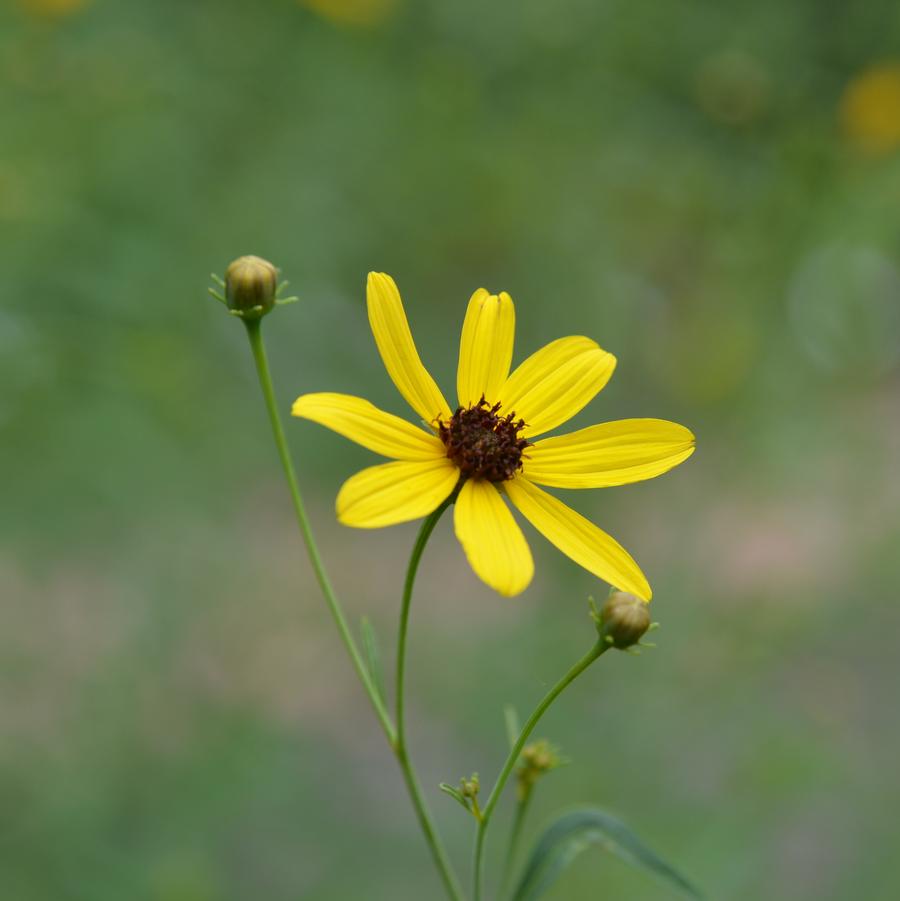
454 793
373 657
579 830
513 730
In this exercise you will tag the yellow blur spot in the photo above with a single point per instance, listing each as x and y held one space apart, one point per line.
52 9
353 12
870 109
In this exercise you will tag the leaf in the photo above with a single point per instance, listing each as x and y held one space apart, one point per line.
454 793
373 657
579 830
511 718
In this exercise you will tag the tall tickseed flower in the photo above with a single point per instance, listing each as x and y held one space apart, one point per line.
487 446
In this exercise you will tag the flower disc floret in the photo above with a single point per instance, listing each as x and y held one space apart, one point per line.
482 444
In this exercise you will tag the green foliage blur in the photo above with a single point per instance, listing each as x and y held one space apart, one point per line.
712 191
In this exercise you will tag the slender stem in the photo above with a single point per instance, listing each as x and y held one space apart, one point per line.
254 334
424 534
514 836
599 648
442 862
395 736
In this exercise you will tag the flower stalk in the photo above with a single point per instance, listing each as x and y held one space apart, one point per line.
537 759
257 346
522 805
600 647
442 861
395 734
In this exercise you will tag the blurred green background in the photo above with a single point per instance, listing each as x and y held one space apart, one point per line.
712 191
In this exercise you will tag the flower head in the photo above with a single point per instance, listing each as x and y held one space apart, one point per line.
488 447
870 109
52 9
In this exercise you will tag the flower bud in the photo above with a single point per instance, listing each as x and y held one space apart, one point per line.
469 788
251 284
624 619
536 759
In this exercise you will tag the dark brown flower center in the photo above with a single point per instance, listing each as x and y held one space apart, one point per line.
482 444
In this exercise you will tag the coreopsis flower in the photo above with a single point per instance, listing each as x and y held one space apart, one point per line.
52 9
488 448
870 109
354 12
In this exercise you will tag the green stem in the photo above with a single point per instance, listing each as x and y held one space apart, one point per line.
254 334
396 736
514 836
424 534
599 648
442 862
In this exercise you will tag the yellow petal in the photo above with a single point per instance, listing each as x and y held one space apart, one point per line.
398 351
364 423
554 383
493 542
578 538
394 492
485 348
612 453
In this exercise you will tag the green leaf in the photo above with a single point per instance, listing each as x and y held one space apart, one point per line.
579 830
454 793
513 730
373 657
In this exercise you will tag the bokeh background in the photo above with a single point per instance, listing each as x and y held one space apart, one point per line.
710 190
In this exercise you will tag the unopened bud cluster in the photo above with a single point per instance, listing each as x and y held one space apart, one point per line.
470 787
466 794
536 759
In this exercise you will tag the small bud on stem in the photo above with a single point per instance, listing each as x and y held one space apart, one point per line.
251 286
538 758
623 620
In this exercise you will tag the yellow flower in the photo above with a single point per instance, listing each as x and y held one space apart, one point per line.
52 8
870 108
354 12
486 447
